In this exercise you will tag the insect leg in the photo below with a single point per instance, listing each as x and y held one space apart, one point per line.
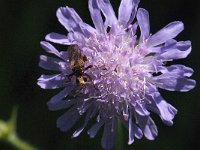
88 67
91 80
69 76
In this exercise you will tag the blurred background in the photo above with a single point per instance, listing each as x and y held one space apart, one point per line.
24 23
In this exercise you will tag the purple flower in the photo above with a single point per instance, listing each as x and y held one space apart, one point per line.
125 71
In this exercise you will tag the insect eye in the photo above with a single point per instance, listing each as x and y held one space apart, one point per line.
84 78
85 58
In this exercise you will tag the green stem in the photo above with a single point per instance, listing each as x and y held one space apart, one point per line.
119 141
18 143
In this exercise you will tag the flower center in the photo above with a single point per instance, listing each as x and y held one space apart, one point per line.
120 71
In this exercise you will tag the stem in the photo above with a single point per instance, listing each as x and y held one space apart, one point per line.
119 142
18 143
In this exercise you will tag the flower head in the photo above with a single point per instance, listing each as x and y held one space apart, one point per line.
121 71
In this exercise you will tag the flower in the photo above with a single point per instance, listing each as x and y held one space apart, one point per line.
125 70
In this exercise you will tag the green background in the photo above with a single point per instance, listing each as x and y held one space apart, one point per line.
24 23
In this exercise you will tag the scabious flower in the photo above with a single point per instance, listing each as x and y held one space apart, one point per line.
126 71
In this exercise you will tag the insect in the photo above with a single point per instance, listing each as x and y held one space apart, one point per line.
77 64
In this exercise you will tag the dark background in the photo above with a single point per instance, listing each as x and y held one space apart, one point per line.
24 23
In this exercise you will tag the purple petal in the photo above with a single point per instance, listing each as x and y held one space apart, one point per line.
64 55
162 108
133 131
70 37
68 119
141 110
54 102
51 81
168 32
176 50
95 128
58 38
109 133
55 64
135 6
87 30
96 16
184 84
177 69
138 132
174 82
125 10
108 12
49 48
143 21
78 37
90 115
134 28
62 104
148 127
130 131
50 63
69 18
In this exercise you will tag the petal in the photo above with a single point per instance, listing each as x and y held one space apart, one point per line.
49 48
125 10
108 12
109 133
51 81
50 63
168 32
87 30
55 102
138 132
130 131
143 21
96 16
69 18
162 108
174 82
71 38
58 38
55 64
135 6
62 104
148 127
64 55
184 84
141 110
90 115
134 29
178 69
79 38
95 128
68 119
176 50
133 131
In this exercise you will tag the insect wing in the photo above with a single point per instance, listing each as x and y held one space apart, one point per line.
75 56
